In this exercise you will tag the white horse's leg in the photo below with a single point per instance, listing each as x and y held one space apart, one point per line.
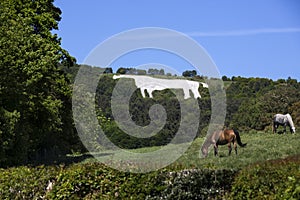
186 93
150 93
197 94
143 92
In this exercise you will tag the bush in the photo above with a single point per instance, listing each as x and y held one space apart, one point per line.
197 184
96 181
26 182
276 179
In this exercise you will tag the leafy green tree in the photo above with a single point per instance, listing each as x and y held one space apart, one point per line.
225 78
108 70
189 73
153 71
34 92
121 70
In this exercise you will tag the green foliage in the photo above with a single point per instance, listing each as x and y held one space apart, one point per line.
252 103
243 90
94 181
8 125
135 71
31 84
189 73
294 109
197 184
26 182
277 179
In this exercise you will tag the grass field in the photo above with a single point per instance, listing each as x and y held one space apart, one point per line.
261 146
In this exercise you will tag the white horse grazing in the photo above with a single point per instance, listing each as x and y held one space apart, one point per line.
284 120
151 84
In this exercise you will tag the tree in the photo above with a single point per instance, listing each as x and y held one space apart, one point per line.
108 70
162 72
141 72
153 71
225 78
34 92
189 73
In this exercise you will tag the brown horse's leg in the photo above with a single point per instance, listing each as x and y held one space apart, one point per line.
235 148
216 149
229 148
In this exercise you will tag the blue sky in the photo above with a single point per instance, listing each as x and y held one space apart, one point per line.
249 38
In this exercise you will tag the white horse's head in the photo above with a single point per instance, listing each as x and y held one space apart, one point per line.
293 129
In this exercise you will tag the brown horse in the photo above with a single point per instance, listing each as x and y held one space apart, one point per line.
222 137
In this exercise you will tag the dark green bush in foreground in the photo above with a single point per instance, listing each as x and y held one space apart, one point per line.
96 181
276 179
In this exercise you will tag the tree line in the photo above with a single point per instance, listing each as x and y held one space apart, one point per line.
150 71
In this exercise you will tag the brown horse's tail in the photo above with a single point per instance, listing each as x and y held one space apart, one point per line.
238 138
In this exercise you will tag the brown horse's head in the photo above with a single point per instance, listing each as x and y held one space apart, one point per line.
204 151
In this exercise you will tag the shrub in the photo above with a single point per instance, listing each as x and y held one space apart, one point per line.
276 179
96 181
196 184
26 182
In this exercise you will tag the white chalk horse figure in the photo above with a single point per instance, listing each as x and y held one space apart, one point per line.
151 84
283 120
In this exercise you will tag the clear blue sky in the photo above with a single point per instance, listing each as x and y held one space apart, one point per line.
250 38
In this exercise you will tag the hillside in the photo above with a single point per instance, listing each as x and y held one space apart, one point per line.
251 104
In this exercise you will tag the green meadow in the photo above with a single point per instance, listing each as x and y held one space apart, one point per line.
261 146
